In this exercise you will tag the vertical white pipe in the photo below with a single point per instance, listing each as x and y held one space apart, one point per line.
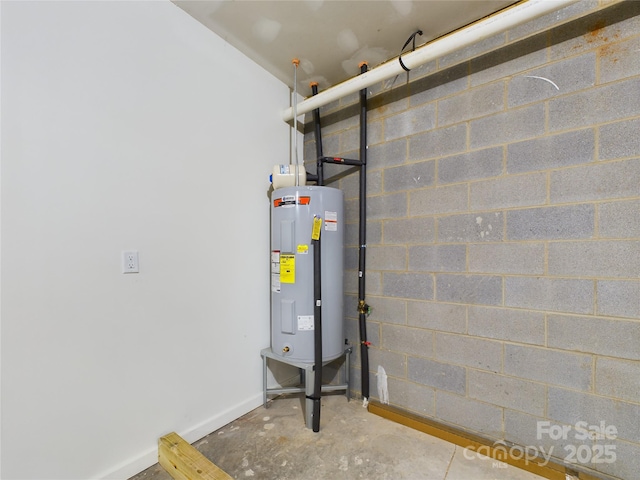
500 22
295 116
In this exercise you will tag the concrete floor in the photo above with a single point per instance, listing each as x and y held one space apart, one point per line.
352 443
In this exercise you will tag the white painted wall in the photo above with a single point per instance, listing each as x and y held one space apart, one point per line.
128 125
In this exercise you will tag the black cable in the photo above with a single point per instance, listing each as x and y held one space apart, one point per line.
412 37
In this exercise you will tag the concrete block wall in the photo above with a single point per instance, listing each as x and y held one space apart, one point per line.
503 246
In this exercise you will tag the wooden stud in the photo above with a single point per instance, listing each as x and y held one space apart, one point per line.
184 462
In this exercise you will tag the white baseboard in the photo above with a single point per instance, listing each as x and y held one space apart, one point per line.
150 457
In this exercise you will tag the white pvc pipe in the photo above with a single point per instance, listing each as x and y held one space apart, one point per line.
509 18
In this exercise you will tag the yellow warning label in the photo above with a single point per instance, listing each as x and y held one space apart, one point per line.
287 268
303 249
317 226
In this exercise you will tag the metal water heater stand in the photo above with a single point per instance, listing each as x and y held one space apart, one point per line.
307 377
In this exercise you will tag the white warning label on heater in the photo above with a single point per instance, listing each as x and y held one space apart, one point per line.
275 283
305 322
331 221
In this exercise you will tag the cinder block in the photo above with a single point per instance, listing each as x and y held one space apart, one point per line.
350 139
503 324
509 60
471 166
533 431
407 340
470 351
351 282
618 378
330 146
350 301
551 223
410 122
470 289
509 191
558 78
572 370
309 149
373 282
437 258
445 317
375 133
603 336
551 294
351 258
373 233
561 150
597 30
621 139
408 285
435 200
508 127
387 154
374 334
523 258
351 331
507 392
470 414
620 60
437 375
473 103
619 298
387 100
350 184
520 429
393 363
411 396
388 257
387 310
408 177
338 120
595 259
596 105
549 20
570 407
627 464
596 182
619 219
379 207
478 227
409 230
437 85
439 142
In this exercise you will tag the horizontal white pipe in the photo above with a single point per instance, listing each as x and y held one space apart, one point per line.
500 22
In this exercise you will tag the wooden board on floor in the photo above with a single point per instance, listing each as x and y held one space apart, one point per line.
184 462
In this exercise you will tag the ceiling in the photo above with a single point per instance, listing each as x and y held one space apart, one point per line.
331 37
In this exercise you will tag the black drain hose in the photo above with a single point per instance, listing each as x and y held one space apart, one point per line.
317 333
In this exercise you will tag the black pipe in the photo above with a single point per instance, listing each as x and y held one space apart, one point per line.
362 306
318 137
341 161
311 177
317 333
317 280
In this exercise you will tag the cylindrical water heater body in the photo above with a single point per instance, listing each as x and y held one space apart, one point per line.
293 210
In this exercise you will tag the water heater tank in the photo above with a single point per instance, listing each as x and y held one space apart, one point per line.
292 290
